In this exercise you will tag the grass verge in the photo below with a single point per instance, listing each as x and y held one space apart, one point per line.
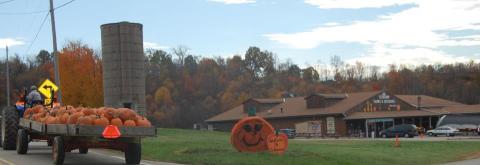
205 147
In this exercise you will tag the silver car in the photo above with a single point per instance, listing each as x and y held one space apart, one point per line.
447 131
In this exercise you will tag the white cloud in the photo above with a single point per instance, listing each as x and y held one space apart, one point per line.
381 55
356 4
151 45
10 42
231 2
418 30
331 24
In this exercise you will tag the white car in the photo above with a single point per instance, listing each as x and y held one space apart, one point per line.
447 131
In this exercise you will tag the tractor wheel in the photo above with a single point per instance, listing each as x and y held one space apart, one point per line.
58 150
133 153
9 128
22 142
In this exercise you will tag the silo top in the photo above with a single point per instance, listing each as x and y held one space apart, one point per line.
121 23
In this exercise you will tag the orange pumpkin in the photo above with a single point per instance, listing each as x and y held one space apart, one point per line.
250 134
126 114
74 118
100 111
109 113
85 120
101 121
277 144
42 119
143 122
50 120
88 111
61 111
129 123
28 113
38 109
38 116
79 109
63 119
117 122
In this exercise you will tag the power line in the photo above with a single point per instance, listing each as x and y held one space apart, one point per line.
34 12
65 4
38 31
3 2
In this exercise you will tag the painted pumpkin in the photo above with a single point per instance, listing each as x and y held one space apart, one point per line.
277 144
250 134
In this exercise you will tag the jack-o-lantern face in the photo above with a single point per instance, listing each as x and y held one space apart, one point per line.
277 144
250 134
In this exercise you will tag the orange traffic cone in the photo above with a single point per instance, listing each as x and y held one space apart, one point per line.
397 141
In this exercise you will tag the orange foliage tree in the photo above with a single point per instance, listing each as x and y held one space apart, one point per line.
80 75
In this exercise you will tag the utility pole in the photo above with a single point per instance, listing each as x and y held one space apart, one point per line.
8 78
55 54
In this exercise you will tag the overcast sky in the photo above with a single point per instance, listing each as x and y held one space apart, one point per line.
376 32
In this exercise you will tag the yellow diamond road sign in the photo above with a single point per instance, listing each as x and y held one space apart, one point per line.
45 88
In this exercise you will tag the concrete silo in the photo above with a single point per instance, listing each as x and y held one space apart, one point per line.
123 65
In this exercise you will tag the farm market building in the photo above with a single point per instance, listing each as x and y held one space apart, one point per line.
350 114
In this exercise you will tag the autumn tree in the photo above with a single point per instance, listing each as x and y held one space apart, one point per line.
80 75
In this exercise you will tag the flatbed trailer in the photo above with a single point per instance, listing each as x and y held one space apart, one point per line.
67 137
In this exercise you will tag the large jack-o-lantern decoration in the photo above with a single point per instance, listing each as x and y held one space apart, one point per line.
250 134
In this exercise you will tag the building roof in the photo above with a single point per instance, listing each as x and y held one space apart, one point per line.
297 106
462 109
330 96
389 114
232 114
267 101
427 101
455 109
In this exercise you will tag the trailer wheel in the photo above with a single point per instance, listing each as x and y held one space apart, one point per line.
133 153
22 142
83 150
58 151
9 128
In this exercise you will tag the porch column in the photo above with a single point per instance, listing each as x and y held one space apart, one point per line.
430 122
366 128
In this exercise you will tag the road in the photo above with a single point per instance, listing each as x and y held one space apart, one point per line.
39 154
465 162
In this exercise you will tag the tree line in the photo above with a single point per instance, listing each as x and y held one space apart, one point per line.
183 88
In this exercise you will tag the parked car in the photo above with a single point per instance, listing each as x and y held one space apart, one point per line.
447 131
404 130
289 132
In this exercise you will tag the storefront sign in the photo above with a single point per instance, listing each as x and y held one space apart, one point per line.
379 120
384 99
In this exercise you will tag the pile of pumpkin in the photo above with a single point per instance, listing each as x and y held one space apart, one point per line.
120 117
